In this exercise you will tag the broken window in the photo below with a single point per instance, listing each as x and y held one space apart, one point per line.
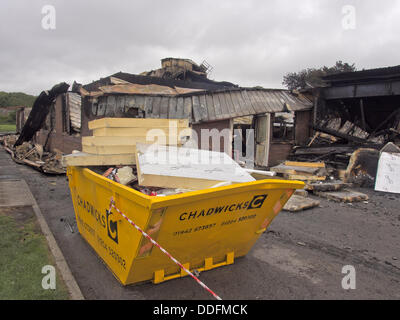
283 126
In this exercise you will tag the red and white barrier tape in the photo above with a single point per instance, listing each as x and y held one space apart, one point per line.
112 205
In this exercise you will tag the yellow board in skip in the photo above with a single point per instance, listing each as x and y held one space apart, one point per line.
137 123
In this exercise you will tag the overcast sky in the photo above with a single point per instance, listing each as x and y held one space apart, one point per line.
248 42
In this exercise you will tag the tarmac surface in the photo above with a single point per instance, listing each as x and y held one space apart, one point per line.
301 256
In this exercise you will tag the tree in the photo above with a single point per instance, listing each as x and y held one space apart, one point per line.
14 99
313 77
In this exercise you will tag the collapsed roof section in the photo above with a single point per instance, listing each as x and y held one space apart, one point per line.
200 99
200 106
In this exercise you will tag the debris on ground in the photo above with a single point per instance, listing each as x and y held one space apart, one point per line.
305 171
348 196
299 203
326 186
362 167
34 156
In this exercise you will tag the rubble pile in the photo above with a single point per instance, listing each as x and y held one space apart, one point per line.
34 156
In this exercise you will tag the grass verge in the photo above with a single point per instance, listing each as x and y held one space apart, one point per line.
24 252
7 127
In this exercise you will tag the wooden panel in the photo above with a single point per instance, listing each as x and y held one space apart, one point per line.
119 105
203 108
155 113
276 104
210 107
217 106
111 104
148 106
254 102
231 106
172 108
348 196
196 109
179 109
267 101
262 102
224 106
299 203
164 107
139 102
187 108
240 106
101 107
248 105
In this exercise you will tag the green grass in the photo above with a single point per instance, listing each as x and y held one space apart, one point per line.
23 254
7 127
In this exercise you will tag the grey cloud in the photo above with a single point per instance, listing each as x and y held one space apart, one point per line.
248 42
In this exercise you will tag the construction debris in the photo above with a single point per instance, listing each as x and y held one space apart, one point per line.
261 175
299 203
327 186
362 167
347 196
34 156
114 140
82 159
388 175
40 109
305 171
184 168
126 176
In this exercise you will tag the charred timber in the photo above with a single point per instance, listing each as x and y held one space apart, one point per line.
40 110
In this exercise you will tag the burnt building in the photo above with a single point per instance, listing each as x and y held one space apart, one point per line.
280 118
361 106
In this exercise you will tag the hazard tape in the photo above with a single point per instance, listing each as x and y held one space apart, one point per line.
112 205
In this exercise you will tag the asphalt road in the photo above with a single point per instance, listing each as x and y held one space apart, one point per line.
300 257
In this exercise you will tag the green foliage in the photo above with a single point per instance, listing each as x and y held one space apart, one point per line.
312 76
13 99
9 118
